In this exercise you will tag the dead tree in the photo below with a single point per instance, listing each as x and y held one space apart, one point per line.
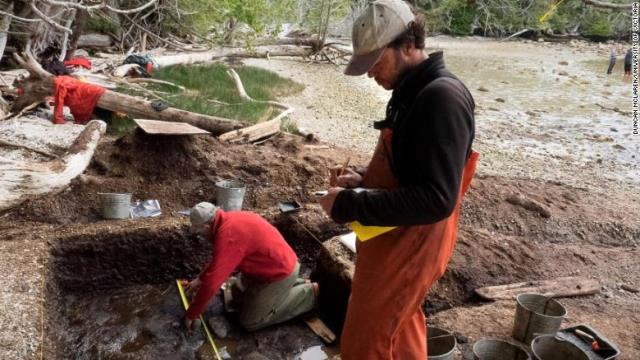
48 32
50 23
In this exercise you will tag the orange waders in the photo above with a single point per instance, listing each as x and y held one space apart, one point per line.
394 271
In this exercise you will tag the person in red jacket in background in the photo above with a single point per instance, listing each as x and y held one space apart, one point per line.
245 241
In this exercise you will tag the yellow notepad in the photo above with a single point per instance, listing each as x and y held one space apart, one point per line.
365 233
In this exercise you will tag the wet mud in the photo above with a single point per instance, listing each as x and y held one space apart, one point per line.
111 294
145 322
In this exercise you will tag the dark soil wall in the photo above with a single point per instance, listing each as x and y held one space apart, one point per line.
111 291
334 271
147 255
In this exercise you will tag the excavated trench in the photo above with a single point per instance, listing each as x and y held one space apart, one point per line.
111 294
111 289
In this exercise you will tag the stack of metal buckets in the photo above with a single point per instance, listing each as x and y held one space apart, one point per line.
537 322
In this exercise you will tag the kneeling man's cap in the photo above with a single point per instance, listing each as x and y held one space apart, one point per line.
201 214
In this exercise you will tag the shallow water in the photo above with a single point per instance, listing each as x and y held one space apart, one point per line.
539 109
548 110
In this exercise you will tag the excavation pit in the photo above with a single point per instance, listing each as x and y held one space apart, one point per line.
111 294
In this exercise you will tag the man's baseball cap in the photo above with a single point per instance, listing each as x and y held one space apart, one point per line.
380 23
201 214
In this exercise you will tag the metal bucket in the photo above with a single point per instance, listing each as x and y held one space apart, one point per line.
549 347
536 315
116 205
441 344
230 194
492 349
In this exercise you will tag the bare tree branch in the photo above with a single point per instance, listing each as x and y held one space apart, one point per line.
29 63
18 17
166 41
21 146
63 52
600 4
47 19
104 5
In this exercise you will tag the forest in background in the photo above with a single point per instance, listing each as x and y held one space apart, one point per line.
144 24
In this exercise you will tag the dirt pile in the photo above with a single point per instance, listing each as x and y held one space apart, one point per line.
181 171
514 230
552 212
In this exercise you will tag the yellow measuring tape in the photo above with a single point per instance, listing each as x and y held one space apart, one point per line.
544 17
185 302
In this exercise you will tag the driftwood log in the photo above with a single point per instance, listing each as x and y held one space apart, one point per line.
39 84
21 180
29 148
254 132
559 287
264 52
94 41
140 108
258 131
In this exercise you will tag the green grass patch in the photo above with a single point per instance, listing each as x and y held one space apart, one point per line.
211 91
120 126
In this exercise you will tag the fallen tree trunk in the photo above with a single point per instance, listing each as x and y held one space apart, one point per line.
94 41
140 108
21 181
560 287
4 107
260 52
515 34
20 146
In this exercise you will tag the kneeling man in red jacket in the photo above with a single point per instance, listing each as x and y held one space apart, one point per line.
245 241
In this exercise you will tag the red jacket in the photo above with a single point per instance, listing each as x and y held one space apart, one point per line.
245 241
80 97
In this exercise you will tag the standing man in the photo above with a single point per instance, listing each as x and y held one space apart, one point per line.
628 58
612 59
420 169
245 241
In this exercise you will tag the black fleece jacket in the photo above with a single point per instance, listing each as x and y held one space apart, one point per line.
431 114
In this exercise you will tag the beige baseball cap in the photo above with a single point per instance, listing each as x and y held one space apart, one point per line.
201 214
380 23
